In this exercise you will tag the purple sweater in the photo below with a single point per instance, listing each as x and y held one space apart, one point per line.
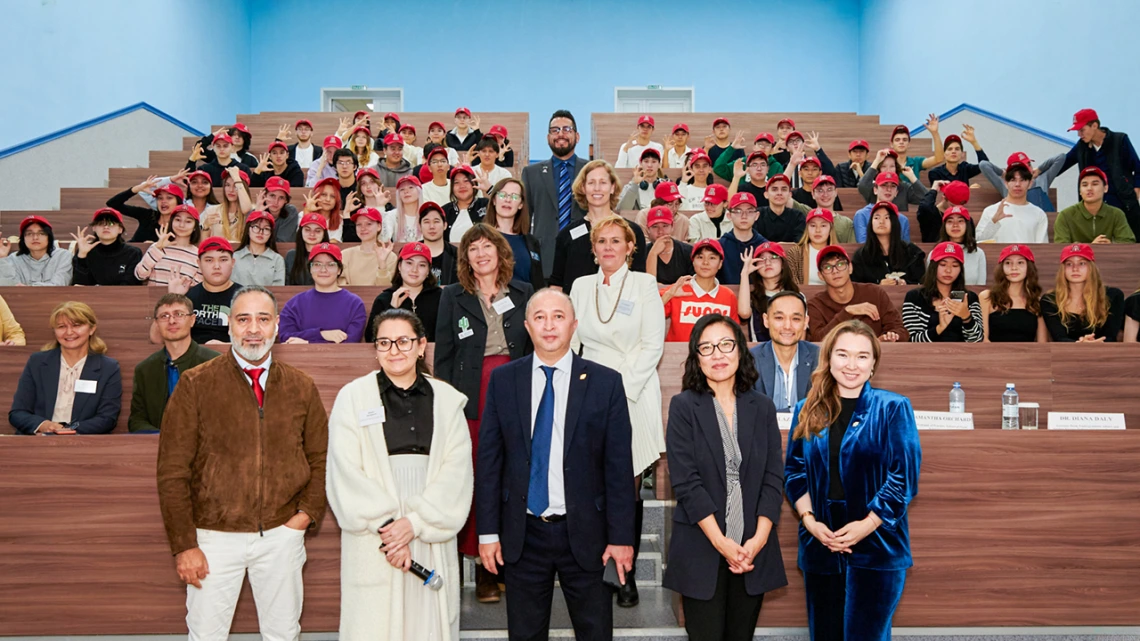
309 313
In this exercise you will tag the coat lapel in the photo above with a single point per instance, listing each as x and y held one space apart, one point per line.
470 304
745 426
767 368
804 370
370 399
710 426
522 398
547 172
51 379
90 373
579 382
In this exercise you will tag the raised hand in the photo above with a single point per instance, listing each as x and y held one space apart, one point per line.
351 204
180 177
482 181
147 186
343 127
196 154
263 164
220 131
908 172
506 147
179 283
675 290
812 141
469 157
383 251
738 169
880 156
475 122
263 200
932 124
709 142
83 242
968 134
1000 214
284 134
738 142
750 264
5 247
233 172
383 197
626 144
165 236
399 296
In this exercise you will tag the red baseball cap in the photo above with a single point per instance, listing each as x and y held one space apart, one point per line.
1018 158
720 120
740 198
793 134
1083 117
215 243
415 249
826 252
952 138
368 171
314 219
885 205
410 128
822 179
1093 171
956 210
105 212
392 115
646 119
680 127
900 129
38 220
786 121
408 179
436 123
199 174
698 155
887 177
811 160
462 169
1078 249
242 128
1017 250
357 115
650 151
779 178
763 135
754 155
425 174
332 141
435 151
371 213
360 128
820 212
715 194
463 110
326 248
303 121
430 206
277 183
393 139
946 250
710 243
223 137
277 143
855 144
331 180
257 215
957 192
770 247
174 189
497 130
659 214
244 177
188 209
667 191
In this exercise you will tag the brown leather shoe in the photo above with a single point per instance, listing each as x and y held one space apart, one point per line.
486 586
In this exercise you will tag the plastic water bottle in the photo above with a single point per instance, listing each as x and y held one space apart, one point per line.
1009 415
957 399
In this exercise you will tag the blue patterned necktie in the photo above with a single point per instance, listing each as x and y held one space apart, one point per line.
563 194
538 494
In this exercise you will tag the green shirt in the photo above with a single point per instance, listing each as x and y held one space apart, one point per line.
1076 225
723 165
915 163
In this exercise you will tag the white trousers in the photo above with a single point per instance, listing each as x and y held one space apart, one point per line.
273 560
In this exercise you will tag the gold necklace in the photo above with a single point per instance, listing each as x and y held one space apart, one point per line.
598 304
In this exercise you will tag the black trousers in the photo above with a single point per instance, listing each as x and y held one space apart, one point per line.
730 615
530 588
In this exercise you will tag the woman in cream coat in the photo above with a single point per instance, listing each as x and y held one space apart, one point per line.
399 498
621 324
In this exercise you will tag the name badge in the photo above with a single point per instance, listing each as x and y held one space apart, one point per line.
466 333
578 232
372 416
625 307
84 387
503 305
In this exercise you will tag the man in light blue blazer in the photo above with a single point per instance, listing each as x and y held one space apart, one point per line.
785 362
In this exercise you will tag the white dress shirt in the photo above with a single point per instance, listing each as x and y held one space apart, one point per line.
556 488
629 158
676 160
304 156
244 365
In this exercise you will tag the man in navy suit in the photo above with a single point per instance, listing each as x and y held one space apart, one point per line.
785 362
553 496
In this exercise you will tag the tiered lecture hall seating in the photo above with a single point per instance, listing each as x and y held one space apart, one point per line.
1009 528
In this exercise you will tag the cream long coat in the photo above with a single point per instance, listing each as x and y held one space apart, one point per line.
362 495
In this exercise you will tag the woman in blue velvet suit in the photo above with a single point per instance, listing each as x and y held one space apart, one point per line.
851 470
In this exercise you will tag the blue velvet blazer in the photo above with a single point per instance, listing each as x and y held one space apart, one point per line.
879 460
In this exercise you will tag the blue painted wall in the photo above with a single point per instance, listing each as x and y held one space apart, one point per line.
67 61
542 55
1035 61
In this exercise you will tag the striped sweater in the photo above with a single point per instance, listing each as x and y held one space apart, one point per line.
921 321
159 264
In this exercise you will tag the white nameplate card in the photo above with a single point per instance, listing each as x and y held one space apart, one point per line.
503 305
625 307
784 420
1085 421
944 420
84 387
578 232
372 416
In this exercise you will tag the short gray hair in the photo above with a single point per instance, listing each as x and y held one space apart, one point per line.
254 289
550 291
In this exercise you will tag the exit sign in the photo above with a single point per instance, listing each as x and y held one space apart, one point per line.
652 86
358 87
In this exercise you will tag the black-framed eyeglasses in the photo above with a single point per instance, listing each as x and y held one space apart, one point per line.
568 129
403 343
837 266
165 317
725 346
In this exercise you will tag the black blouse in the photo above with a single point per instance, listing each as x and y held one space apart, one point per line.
408 415
1013 326
425 306
867 271
1077 327
835 434
574 257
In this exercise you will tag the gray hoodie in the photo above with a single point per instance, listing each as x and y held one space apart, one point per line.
50 270
388 177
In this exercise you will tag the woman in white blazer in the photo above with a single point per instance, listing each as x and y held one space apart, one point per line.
399 481
621 324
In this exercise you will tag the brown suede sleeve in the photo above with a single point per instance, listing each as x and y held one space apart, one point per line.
177 447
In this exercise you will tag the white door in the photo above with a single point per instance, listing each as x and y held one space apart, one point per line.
653 99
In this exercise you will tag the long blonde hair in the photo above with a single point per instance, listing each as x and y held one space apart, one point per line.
80 314
822 405
1095 299
229 230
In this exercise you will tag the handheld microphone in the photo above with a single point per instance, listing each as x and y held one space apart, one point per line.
431 578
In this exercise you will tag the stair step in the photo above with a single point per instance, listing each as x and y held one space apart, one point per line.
655 611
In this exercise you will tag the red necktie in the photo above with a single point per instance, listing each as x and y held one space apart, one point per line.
255 374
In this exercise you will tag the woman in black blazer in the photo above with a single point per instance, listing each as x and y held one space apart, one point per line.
726 466
480 326
91 396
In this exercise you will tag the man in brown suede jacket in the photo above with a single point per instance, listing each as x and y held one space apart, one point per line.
241 477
